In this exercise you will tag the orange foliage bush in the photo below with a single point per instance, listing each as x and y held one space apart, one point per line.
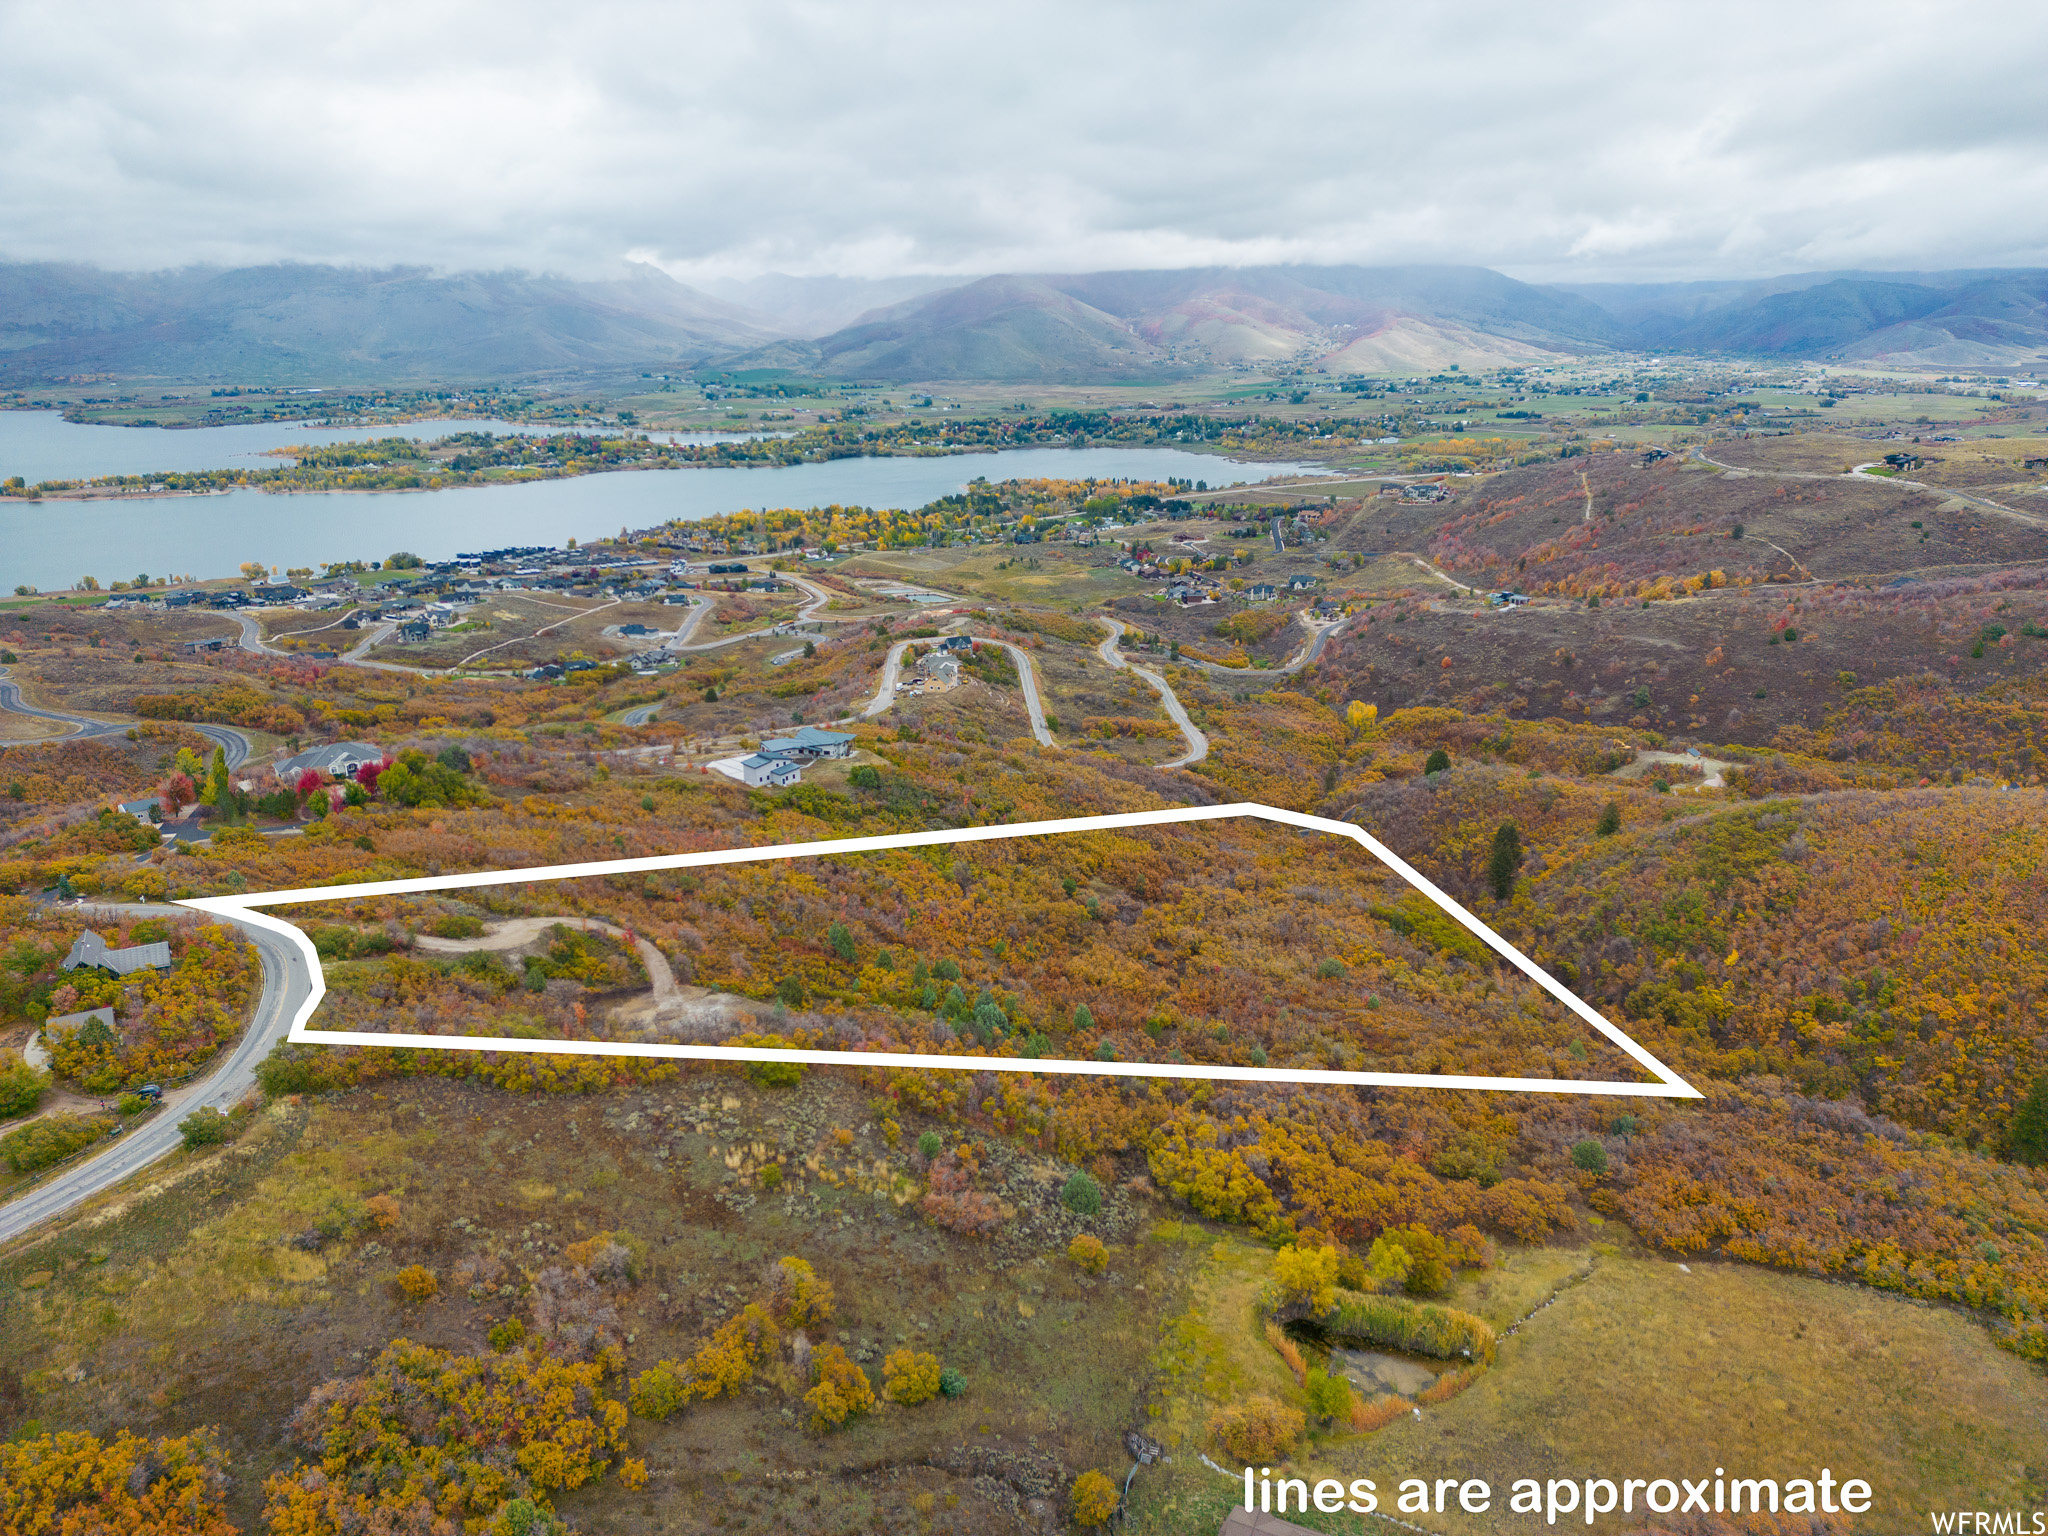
1258 1428
73 1484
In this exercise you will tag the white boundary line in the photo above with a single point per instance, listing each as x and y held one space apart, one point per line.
1669 1085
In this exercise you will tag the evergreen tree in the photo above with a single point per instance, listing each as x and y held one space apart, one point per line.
1437 762
1504 861
2029 1137
1610 819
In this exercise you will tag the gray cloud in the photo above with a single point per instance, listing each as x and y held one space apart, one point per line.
1603 140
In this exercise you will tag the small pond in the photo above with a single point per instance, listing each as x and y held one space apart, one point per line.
1373 1370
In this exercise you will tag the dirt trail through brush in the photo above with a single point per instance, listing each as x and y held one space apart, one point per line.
669 1008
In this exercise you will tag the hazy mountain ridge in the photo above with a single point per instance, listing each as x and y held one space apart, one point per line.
291 323
1108 325
1957 319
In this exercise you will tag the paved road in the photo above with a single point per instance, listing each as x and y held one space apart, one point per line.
1198 744
226 737
640 714
252 635
892 670
286 986
14 704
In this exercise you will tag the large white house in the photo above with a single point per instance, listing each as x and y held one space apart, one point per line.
770 768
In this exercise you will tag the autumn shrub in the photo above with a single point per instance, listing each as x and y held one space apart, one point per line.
1365 1417
382 1211
418 1283
575 1311
1288 1351
205 1127
21 1085
427 1439
1258 1429
842 1390
1306 1276
509 1334
1329 1397
1448 1386
659 1390
1418 1327
51 1139
1092 1500
78 1485
1088 1252
727 1360
606 1257
798 1297
951 1200
910 1377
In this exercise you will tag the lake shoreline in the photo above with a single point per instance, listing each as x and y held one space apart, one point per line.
85 529
117 493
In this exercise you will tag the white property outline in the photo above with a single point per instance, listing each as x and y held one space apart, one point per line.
1669 1085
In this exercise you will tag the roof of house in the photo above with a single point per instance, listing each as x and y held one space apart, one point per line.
78 1020
328 759
770 760
91 949
806 738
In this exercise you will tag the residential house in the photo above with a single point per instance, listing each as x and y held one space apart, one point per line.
148 812
414 630
1260 592
338 760
808 742
90 952
770 768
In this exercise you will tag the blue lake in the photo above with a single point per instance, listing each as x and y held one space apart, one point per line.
50 544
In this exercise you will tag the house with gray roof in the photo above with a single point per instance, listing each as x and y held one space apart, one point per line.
810 742
90 952
339 760
770 768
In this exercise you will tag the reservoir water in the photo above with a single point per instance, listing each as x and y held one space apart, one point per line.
50 544
42 445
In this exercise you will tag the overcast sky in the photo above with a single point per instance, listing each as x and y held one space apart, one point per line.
1593 141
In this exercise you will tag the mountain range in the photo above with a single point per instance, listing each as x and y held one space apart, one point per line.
297 323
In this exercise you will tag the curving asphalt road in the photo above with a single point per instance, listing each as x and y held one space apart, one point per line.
286 986
892 670
13 703
1198 744
226 737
